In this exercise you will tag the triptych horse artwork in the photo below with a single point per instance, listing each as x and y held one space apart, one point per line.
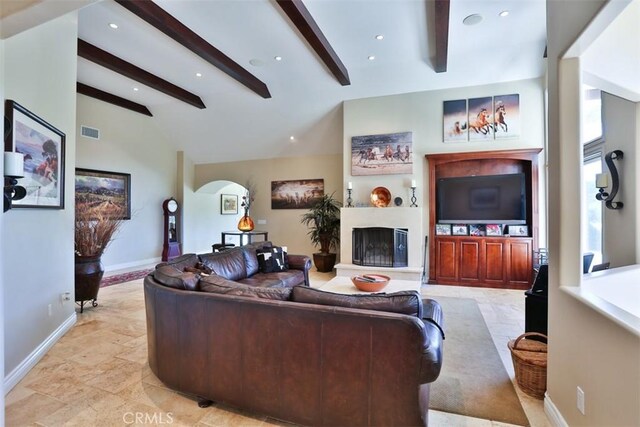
481 119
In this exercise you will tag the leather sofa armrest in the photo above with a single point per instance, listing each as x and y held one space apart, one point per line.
300 262
431 362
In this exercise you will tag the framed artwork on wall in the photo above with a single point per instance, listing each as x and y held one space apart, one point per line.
454 121
296 194
506 117
480 124
95 187
43 148
386 154
229 204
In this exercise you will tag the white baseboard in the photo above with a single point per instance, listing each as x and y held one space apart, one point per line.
553 414
139 263
27 364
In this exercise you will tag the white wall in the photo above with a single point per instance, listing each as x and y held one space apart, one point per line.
620 225
2 91
130 143
585 348
37 253
421 113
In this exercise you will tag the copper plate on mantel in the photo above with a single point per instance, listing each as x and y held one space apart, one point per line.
380 197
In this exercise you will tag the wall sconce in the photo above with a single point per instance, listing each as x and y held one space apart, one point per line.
413 194
13 169
602 181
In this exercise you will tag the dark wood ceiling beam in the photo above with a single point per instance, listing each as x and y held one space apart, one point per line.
163 21
302 19
112 62
112 99
442 35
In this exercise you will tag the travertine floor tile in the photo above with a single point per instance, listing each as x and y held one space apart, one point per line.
30 409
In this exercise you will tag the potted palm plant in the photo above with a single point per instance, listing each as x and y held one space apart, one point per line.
323 220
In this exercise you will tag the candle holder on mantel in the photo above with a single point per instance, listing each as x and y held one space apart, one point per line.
349 199
413 197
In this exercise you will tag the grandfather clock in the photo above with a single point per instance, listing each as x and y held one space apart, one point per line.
171 246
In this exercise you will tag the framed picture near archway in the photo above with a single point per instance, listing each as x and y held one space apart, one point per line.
229 204
296 194
42 146
104 189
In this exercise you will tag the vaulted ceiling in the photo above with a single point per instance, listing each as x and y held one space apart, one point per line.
255 103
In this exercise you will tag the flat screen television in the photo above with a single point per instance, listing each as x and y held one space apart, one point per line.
487 199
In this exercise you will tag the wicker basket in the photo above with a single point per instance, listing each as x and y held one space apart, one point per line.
530 364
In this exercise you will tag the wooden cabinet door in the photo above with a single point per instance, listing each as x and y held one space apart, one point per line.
446 260
519 264
470 254
494 262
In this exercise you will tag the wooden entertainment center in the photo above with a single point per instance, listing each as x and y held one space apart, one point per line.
484 261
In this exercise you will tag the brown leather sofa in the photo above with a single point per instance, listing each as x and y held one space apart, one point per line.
239 264
300 362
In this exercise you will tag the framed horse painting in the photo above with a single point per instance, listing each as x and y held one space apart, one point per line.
454 121
506 117
386 154
480 124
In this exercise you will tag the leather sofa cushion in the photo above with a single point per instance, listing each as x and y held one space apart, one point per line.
172 277
186 260
281 279
219 285
250 259
403 302
229 264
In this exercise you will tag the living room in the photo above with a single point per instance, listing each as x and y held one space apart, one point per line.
132 143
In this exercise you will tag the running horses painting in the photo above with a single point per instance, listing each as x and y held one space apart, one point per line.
506 119
480 120
382 154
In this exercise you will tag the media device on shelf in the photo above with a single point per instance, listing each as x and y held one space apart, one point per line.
486 199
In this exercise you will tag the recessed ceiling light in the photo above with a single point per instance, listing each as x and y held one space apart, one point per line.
379 37
371 57
278 58
256 62
292 138
135 89
504 13
114 26
472 19
198 74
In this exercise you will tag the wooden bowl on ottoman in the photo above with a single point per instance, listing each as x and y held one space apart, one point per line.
370 282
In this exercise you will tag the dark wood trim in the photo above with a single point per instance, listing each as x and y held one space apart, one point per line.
112 99
442 35
304 22
163 21
112 62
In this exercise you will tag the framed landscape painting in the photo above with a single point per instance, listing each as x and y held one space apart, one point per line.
109 190
296 194
385 154
42 146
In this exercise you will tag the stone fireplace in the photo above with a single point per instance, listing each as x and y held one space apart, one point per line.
410 221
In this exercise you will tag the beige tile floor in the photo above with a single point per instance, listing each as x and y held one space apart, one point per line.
97 374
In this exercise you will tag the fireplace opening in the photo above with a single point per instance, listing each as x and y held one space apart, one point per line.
380 247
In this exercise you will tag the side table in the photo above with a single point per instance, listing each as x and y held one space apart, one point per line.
242 234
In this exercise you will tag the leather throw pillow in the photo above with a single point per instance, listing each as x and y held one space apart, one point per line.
272 260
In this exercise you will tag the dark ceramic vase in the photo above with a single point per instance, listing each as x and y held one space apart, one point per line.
88 274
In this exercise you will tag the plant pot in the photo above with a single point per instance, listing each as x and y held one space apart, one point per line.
88 274
324 262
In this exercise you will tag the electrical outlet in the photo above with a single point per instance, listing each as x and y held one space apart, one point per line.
580 400
262 221
50 310
65 296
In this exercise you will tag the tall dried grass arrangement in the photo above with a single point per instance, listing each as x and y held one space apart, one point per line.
95 227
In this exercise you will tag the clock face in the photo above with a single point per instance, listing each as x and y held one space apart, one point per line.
172 206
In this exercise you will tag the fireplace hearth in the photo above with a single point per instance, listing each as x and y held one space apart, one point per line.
380 247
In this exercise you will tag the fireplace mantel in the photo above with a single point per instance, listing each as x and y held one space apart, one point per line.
391 217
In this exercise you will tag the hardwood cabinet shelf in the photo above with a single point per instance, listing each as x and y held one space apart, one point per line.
485 261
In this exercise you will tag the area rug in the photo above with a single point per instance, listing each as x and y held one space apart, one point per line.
124 277
473 381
